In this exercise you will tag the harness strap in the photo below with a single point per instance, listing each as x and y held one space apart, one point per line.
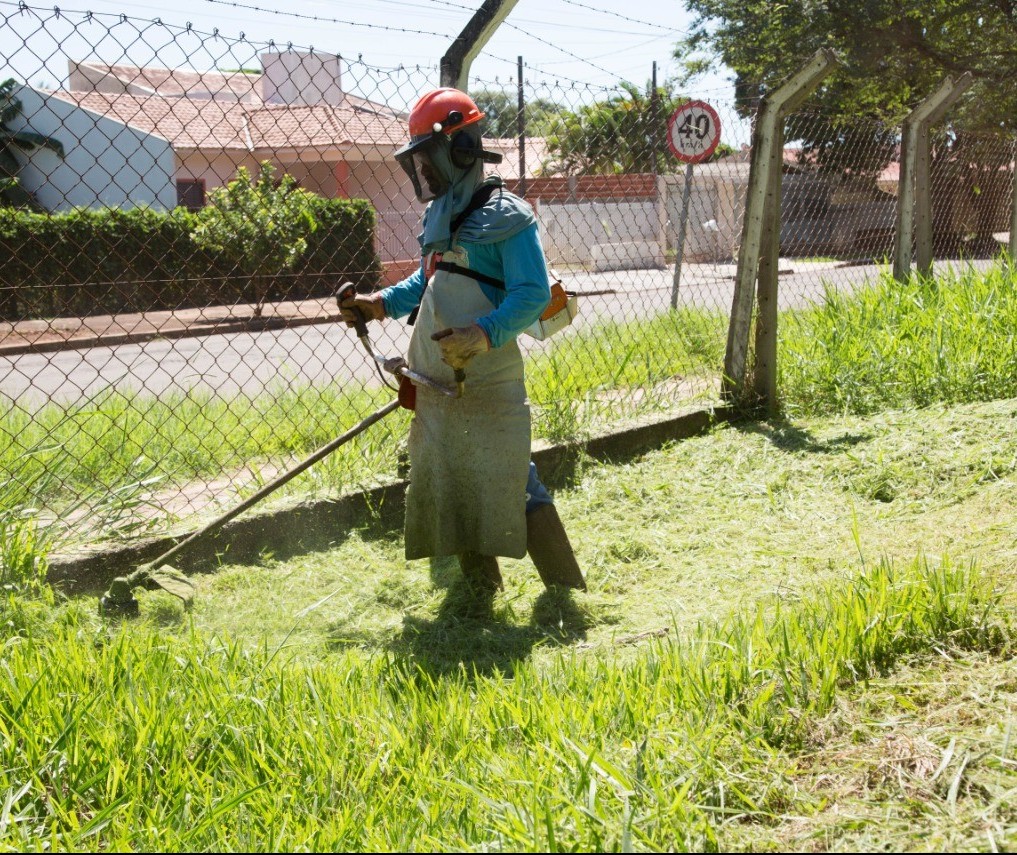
450 267
477 201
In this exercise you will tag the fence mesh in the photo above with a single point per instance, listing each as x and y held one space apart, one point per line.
179 209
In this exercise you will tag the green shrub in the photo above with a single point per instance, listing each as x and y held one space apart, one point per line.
109 261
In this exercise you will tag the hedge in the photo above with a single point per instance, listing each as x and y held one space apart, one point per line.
110 261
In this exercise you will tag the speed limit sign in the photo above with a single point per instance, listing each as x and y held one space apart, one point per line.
693 132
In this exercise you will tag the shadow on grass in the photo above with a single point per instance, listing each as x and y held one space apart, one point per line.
789 437
474 636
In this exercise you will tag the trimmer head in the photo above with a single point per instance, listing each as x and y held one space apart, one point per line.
119 600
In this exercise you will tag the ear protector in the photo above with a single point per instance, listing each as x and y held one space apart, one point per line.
465 151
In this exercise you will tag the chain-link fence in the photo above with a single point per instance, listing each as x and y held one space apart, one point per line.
179 209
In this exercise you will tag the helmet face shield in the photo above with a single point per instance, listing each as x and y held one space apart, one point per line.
418 162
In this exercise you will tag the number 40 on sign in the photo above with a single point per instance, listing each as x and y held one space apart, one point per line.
693 132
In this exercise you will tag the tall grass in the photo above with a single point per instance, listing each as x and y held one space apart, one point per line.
948 338
618 370
23 566
142 741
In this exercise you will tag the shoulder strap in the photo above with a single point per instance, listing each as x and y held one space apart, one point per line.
477 201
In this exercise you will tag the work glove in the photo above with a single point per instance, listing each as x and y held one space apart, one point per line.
460 344
370 305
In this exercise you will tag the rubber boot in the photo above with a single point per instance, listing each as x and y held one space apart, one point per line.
550 550
481 573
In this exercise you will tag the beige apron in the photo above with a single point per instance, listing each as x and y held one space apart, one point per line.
469 457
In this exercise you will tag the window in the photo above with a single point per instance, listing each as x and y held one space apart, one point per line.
191 193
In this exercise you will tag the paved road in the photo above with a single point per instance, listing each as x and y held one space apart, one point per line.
248 363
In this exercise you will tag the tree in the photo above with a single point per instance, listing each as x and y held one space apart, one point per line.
12 193
501 111
894 52
626 133
260 225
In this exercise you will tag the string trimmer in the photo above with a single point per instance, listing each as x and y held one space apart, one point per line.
119 600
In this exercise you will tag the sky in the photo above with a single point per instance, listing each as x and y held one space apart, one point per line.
593 42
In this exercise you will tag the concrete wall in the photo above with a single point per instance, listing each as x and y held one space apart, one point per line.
570 231
107 164
714 216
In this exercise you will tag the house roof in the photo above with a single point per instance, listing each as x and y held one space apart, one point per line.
205 124
224 110
181 121
245 86
172 82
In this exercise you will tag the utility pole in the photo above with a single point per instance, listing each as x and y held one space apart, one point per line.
521 129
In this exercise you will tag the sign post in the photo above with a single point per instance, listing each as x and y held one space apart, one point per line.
693 132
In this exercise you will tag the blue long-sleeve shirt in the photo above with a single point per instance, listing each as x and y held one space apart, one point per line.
518 261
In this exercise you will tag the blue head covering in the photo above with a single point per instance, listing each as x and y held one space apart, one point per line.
503 216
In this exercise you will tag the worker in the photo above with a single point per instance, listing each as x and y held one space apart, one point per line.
473 490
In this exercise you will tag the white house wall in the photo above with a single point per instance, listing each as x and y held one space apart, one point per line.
107 164
214 168
389 190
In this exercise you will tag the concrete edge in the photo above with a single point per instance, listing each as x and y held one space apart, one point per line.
190 331
320 524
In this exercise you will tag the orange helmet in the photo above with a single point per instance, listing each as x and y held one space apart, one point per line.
435 121
445 110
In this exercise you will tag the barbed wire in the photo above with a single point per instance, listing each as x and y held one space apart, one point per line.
322 19
623 17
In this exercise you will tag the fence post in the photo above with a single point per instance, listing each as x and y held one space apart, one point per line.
767 157
455 64
765 370
1013 212
914 198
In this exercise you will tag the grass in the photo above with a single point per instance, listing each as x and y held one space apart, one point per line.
945 339
746 587
137 739
924 755
799 634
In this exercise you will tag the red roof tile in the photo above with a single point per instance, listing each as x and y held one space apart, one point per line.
205 124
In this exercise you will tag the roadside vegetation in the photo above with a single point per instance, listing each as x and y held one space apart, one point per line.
111 468
945 339
799 635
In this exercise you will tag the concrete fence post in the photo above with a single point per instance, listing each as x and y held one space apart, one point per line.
760 208
455 64
1012 246
914 197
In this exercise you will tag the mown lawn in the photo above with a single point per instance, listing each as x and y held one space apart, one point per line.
799 635
764 601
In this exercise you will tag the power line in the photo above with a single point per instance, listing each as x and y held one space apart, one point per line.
581 83
561 49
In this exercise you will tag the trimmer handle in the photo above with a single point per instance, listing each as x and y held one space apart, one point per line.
348 291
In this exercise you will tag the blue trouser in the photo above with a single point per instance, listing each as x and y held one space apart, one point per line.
536 492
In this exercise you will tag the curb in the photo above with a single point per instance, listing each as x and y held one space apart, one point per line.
319 525
190 331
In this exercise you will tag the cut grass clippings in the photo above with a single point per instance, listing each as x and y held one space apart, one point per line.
134 739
